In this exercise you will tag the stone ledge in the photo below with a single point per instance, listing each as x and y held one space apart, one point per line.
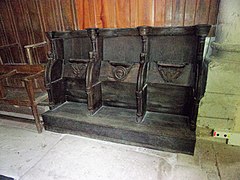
229 47
220 106
215 123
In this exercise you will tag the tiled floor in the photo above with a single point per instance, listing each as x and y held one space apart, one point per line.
26 155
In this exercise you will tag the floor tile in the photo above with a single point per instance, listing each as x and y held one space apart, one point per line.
228 161
188 173
20 149
83 158
27 155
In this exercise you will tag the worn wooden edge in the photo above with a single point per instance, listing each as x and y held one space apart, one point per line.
127 123
125 136
153 31
41 44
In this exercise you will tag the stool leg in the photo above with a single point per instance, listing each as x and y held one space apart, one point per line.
30 92
36 118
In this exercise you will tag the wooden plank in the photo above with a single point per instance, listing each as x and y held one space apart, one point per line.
34 21
109 14
178 12
159 12
98 9
49 22
67 14
31 20
146 13
74 14
202 11
7 31
121 127
134 13
35 30
22 31
123 13
88 14
190 12
57 14
214 7
212 17
92 16
168 13
79 13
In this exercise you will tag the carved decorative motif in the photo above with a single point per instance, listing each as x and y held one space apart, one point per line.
170 73
79 70
119 72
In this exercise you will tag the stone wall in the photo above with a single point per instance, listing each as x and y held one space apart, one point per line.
220 107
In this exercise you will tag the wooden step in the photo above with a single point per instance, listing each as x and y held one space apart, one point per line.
157 131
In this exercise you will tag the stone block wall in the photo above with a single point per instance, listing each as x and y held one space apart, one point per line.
220 107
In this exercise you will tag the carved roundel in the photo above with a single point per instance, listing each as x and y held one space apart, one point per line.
119 72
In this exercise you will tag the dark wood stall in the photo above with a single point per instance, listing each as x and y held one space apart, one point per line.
139 86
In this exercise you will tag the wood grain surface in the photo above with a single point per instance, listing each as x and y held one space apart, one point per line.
26 21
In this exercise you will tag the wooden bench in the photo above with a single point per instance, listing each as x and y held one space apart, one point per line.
23 85
141 86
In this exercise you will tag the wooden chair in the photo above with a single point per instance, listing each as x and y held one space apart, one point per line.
23 85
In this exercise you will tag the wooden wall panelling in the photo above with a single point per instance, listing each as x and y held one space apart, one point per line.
5 54
146 12
15 53
168 12
39 32
134 13
58 16
33 17
178 12
159 12
36 29
21 23
92 14
50 19
142 12
79 13
26 21
74 14
50 15
190 12
202 11
214 6
3 36
123 13
213 12
6 28
88 13
67 10
109 13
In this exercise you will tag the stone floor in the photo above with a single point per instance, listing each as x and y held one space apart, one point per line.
26 155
